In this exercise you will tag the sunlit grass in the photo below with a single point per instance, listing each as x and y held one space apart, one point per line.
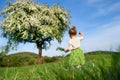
97 67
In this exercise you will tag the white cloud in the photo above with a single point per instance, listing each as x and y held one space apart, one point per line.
104 37
106 9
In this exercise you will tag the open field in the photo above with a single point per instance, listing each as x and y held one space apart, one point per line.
100 65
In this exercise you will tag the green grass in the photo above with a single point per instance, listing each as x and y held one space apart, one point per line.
98 66
23 59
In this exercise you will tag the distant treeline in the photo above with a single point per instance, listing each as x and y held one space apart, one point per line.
28 58
102 52
24 59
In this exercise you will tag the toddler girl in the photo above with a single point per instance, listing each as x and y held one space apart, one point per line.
77 55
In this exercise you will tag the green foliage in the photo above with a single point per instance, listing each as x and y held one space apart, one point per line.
98 67
47 59
28 21
60 49
23 59
18 59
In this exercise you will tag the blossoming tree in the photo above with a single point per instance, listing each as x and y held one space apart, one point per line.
27 21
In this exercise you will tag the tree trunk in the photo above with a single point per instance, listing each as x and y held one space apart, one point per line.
39 54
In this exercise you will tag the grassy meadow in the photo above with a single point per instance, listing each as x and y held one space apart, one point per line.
100 65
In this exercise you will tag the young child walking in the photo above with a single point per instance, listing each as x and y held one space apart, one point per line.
76 57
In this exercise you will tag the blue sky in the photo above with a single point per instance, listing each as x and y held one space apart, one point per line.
99 20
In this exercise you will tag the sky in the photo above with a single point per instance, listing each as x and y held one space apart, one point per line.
99 20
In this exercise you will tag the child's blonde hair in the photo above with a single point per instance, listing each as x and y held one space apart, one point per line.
72 31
